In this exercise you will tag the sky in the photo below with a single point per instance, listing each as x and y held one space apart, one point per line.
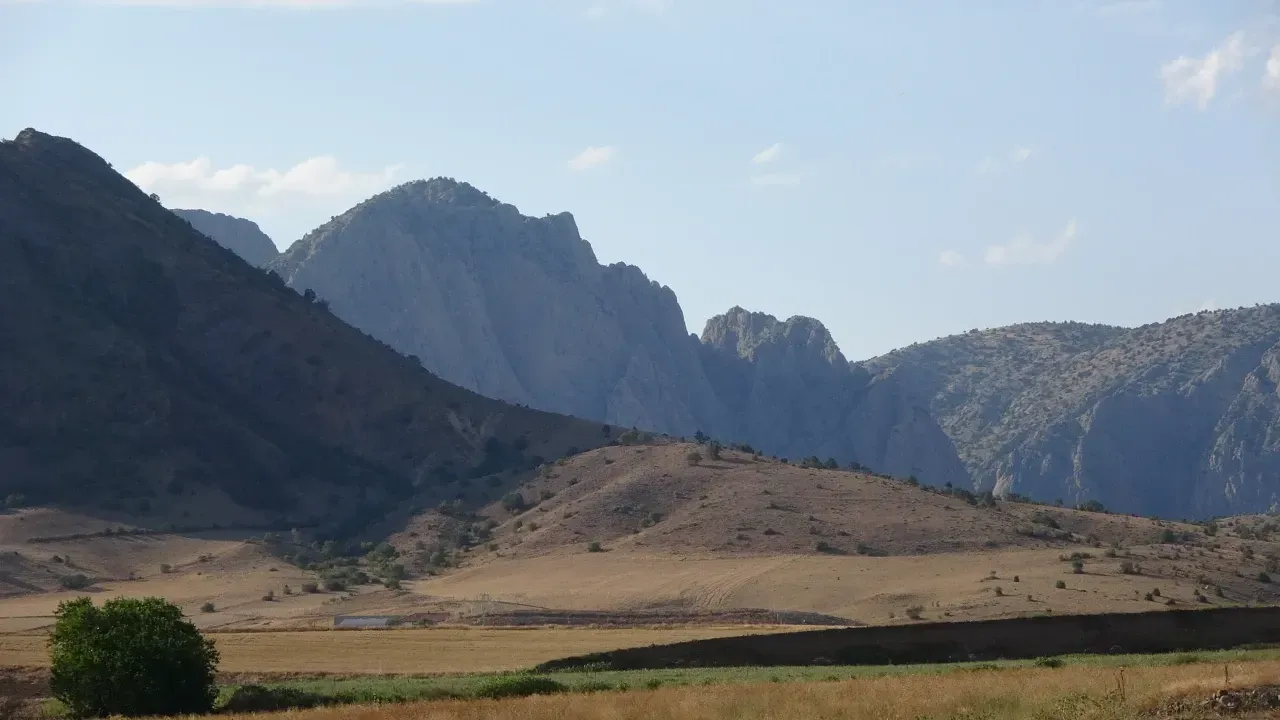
901 170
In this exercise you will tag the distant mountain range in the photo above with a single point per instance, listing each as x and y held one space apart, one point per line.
1180 418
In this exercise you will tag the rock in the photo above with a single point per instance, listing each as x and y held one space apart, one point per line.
243 237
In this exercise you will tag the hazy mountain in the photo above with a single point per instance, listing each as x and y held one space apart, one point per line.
518 308
151 372
243 237
1180 418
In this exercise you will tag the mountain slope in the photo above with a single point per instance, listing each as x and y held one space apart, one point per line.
518 308
240 236
1180 418
154 374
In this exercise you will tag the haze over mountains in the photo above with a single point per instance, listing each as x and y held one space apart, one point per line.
1180 418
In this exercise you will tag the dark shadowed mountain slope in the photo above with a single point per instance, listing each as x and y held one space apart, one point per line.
243 237
150 372
518 308
1180 418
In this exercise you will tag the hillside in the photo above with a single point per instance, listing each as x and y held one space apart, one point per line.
1179 418
518 308
240 236
154 379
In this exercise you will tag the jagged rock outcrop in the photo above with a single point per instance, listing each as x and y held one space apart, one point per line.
787 386
1177 419
518 308
240 236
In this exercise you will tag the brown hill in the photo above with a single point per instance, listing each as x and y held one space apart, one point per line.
154 377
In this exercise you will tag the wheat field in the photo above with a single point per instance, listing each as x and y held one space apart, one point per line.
1069 693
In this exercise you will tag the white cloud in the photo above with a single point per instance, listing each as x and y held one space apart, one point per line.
768 154
305 194
992 164
950 258
1271 78
775 179
1196 80
1026 251
592 157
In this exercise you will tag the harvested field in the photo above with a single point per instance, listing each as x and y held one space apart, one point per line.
404 652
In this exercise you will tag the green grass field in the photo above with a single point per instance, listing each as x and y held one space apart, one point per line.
389 689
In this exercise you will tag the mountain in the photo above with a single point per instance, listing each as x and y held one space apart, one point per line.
518 308
1179 418
151 373
243 237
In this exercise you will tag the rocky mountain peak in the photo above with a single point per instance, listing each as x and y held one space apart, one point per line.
745 333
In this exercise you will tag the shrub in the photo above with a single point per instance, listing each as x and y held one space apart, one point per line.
999 591
207 607
1049 662
693 458
519 686
915 611
310 587
74 582
130 657
335 585
269 596
166 568
1061 584
1263 577
1128 567
595 546
1077 567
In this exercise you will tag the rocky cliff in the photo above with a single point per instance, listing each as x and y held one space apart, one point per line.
240 236
1180 418
518 308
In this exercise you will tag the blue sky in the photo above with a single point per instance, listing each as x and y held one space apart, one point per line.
899 170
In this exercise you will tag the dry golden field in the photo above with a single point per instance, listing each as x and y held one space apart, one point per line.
1070 693
402 652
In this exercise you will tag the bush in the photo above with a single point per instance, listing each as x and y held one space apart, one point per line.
915 611
1263 577
693 458
130 657
269 596
1061 584
519 686
1049 662
310 587
74 582
1128 567
207 607
335 585
595 546
1077 567
165 568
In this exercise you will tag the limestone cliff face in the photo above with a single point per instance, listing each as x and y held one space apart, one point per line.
1178 419
518 308
514 307
240 236
787 387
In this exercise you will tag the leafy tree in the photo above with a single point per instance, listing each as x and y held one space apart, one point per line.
130 657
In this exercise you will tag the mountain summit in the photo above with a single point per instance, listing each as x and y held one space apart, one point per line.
519 308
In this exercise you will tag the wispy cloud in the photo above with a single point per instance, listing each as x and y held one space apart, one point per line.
768 154
775 179
950 258
1025 250
1271 76
1195 81
592 157
995 163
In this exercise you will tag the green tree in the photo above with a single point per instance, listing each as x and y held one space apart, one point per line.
130 657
